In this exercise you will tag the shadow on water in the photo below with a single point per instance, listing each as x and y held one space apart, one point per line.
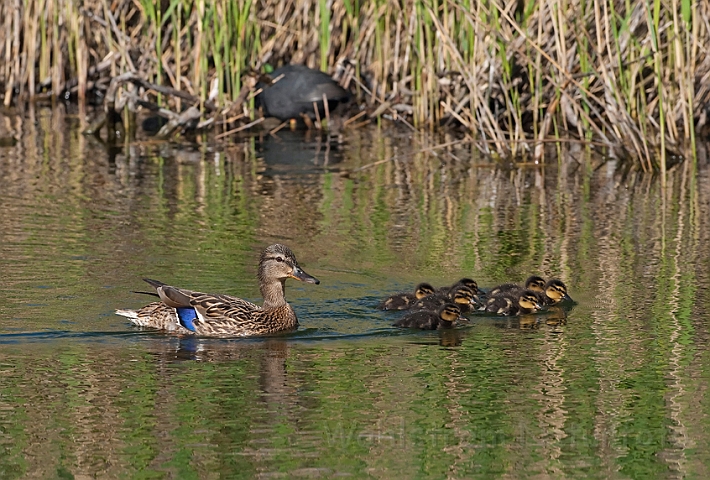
614 387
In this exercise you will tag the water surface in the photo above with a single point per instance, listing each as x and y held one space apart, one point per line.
615 387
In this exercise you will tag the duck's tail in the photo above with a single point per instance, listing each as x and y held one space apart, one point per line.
152 294
160 316
132 315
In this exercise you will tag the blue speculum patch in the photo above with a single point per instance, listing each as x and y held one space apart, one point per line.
186 316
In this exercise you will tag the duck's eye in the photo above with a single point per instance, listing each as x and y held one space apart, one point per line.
279 259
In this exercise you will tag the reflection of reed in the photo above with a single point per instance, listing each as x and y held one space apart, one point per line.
608 327
71 421
460 448
682 250
271 404
551 395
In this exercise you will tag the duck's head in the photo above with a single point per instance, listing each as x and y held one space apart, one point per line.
463 295
422 290
529 301
278 262
535 283
449 312
467 282
556 291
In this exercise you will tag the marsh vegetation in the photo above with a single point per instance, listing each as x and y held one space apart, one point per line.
631 77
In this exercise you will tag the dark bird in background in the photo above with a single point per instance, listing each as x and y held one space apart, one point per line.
292 91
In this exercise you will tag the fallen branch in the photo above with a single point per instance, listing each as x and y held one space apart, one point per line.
111 116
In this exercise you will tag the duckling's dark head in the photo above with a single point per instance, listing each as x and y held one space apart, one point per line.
468 282
556 291
422 290
529 300
449 312
463 295
535 283
277 262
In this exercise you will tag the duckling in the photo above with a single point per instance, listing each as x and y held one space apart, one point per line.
186 312
534 283
461 295
468 282
514 303
555 292
405 300
444 317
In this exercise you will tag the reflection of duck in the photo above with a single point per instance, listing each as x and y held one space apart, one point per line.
534 283
428 320
293 90
405 300
528 322
461 295
556 315
184 311
299 152
451 337
514 303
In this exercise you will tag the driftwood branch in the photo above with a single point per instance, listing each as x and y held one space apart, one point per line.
111 117
187 119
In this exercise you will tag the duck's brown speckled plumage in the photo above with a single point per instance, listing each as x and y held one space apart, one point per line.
224 315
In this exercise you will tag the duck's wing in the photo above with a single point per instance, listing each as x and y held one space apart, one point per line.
219 307
220 316
206 312
211 314
182 298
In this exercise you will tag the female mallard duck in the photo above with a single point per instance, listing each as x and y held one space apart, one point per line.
405 300
187 312
534 283
555 292
514 303
461 295
428 320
